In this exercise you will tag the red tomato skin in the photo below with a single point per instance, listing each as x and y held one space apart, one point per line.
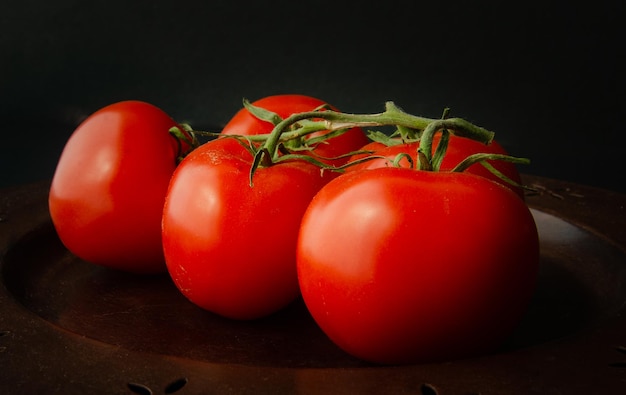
458 149
107 193
246 124
229 247
401 266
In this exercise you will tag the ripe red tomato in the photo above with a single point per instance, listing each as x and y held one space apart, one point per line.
230 247
246 124
404 266
108 190
458 149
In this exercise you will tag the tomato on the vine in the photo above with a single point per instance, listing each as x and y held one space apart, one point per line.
329 152
229 246
399 266
108 190
457 150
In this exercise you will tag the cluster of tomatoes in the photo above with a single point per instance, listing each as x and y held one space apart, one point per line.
397 262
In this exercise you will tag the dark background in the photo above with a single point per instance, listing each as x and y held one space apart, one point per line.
547 78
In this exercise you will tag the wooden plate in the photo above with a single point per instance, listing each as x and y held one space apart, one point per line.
67 326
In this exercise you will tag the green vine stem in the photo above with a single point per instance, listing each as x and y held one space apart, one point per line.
334 121
269 149
392 116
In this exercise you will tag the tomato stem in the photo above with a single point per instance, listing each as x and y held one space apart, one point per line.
339 122
413 127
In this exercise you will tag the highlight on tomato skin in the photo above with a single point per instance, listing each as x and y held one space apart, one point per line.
399 266
107 192
230 247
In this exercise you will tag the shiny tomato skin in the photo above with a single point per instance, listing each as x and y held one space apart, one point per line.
246 124
229 247
402 266
107 193
458 149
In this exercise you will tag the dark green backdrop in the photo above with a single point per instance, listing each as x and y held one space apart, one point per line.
548 78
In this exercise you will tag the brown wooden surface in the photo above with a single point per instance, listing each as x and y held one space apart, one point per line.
69 327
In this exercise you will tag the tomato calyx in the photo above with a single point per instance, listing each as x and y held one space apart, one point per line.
186 140
427 160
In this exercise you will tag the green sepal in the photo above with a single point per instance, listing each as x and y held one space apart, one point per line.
482 160
261 158
481 157
261 113
383 138
186 135
407 134
501 176
403 155
440 152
